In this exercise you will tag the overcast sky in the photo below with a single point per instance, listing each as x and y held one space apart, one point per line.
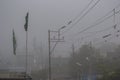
48 14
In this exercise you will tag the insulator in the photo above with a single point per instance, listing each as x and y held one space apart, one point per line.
69 22
106 35
115 26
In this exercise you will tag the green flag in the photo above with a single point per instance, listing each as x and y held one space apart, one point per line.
14 43
26 22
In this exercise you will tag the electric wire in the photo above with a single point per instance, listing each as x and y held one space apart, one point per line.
99 31
71 21
103 21
83 10
81 17
97 23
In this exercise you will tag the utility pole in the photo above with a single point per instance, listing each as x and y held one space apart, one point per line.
55 40
89 62
114 17
49 55
73 51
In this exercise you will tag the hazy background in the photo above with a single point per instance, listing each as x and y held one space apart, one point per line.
50 14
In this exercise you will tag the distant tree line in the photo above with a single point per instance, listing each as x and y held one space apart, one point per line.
88 62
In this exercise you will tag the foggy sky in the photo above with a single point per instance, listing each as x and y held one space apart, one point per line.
44 15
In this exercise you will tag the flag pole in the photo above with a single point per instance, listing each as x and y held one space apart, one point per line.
26 30
26 54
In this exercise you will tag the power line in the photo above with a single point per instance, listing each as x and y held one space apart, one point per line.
97 23
99 31
102 17
96 32
110 38
83 10
79 14
82 17
102 20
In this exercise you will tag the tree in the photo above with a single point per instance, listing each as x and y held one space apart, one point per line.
87 56
109 66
